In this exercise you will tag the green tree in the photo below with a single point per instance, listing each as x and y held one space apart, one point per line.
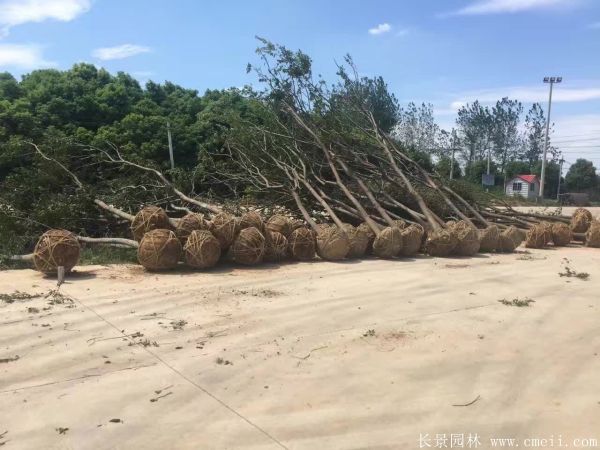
581 176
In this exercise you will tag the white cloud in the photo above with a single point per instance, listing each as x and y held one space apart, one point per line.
510 6
380 29
23 56
18 12
402 32
530 94
119 51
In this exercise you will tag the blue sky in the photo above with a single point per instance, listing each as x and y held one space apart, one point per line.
444 52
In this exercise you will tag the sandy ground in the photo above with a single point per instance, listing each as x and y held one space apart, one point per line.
354 355
565 210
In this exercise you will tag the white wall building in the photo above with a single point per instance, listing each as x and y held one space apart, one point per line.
527 186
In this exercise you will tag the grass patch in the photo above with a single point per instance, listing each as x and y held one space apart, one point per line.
107 255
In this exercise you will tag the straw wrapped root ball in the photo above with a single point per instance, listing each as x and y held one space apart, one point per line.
201 250
412 238
251 219
301 244
279 224
388 243
536 236
509 240
159 250
332 243
547 232
581 220
189 223
488 239
441 242
275 246
223 228
592 237
56 248
468 238
149 218
561 234
359 241
248 247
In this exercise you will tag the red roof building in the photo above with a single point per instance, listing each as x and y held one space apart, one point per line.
527 186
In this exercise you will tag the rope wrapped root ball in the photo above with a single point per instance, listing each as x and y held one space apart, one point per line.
248 248
536 236
388 243
412 237
561 234
159 250
189 223
581 220
275 246
201 250
251 219
592 237
365 228
488 239
279 224
301 244
468 239
509 240
441 242
147 219
359 241
223 228
56 248
400 223
332 243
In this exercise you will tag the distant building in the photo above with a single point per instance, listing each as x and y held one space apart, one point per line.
527 186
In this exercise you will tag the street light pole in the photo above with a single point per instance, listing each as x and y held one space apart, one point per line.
550 80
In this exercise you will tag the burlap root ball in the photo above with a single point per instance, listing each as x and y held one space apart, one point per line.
488 239
388 243
365 228
275 246
359 241
248 248
279 224
441 242
509 240
201 250
189 223
412 237
159 250
581 220
592 237
223 228
468 239
149 218
536 236
561 234
56 248
251 219
332 243
301 244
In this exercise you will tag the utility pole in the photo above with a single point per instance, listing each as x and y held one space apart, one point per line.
550 80
559 177
170 145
